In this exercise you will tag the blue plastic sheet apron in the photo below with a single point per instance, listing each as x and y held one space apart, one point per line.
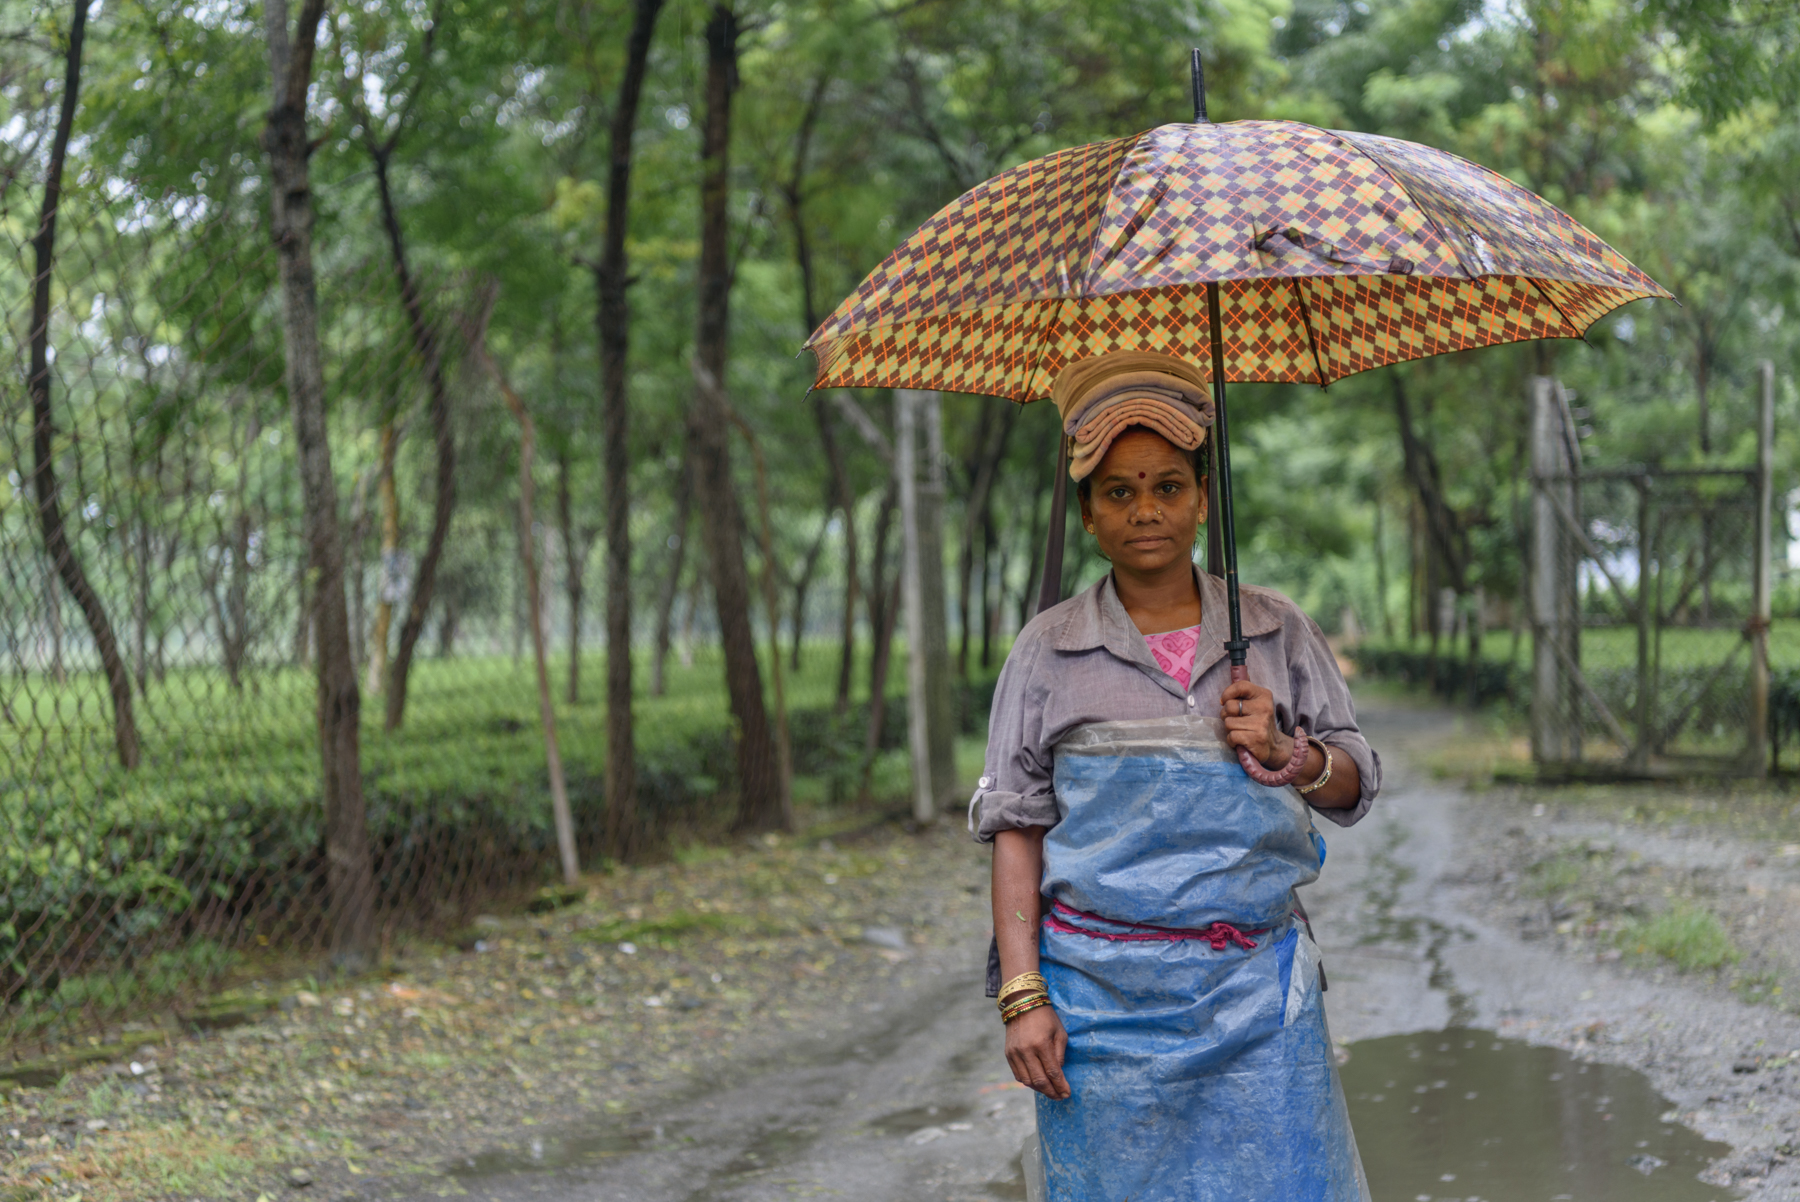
1198 1073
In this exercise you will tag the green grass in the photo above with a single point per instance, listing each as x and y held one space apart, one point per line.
1615 647
1686 935
1555 874
104 873
665 930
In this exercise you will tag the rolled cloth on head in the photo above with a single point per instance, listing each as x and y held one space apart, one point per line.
1100 398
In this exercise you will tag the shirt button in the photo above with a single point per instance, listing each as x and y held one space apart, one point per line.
1190 702
984 782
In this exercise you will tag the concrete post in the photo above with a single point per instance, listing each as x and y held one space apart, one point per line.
940 697
906 403
1550 726
1646 690
930 732
1760 607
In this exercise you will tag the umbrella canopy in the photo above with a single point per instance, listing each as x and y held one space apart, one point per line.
1256 250
1335 253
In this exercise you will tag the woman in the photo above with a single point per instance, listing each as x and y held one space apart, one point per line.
1158 993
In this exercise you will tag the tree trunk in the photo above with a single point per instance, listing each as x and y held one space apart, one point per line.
559 790
990 448
390 576
53 612
993 586
350 880
575 566
437 391
611 280
43 440
784 755
303 613
844 497
880 661
802 584
884 605
1387 627
759 777
689 614
1444 530
671 588
1046 461
359 534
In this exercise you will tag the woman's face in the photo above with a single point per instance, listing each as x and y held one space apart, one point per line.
1144 505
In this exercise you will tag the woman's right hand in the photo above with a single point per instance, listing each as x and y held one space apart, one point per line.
1035 1043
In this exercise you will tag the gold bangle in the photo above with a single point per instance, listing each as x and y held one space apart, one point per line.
1024 981
1323 776
1025 1007
1014 1005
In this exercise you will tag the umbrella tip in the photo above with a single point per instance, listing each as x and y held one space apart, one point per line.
1199 74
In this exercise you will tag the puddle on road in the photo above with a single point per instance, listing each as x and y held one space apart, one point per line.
1461 1115
917 1118
548 1152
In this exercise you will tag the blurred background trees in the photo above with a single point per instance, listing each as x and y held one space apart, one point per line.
659 201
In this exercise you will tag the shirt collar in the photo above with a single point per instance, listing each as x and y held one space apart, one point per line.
1097 618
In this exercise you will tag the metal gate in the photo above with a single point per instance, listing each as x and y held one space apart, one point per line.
1650 607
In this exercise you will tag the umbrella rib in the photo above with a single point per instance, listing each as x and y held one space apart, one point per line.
1311 338
1581 334
1436 229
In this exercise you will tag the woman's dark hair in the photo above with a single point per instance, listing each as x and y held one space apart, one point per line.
1085 486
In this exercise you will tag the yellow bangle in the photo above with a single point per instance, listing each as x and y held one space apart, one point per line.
1024 981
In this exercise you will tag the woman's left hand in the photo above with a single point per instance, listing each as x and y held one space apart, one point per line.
1249 713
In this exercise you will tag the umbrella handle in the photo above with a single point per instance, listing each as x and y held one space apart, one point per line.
1287 772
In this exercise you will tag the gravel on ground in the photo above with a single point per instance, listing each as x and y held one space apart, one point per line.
666 974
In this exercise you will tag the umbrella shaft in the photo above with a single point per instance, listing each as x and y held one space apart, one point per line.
1237 646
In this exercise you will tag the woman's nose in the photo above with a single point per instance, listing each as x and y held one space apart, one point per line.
1145 509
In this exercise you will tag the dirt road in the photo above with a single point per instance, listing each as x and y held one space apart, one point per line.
911 1101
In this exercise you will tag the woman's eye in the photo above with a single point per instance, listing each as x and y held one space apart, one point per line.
1119 494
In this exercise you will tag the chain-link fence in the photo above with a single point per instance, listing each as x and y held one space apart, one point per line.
160 816
158 744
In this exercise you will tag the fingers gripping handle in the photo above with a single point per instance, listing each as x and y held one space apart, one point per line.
1255 771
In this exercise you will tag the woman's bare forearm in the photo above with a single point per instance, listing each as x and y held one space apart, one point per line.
1018 875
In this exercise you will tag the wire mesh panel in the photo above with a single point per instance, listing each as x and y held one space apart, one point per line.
1646 609
159 762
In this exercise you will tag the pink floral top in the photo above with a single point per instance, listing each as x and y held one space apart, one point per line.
1174 652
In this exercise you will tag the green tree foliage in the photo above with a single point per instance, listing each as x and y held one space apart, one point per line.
1670 130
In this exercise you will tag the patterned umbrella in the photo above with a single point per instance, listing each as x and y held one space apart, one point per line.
1257 250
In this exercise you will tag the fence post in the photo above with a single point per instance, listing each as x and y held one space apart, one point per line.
929 733
1646 555
1549 732
912 605
1759 617
940 699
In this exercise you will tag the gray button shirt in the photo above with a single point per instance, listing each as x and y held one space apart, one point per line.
1085 661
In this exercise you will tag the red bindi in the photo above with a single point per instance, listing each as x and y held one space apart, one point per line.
1140 475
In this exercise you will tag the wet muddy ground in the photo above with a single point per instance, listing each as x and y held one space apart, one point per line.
1509 1037
1487 1060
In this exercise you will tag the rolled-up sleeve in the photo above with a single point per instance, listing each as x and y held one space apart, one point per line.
1322 706
1016 789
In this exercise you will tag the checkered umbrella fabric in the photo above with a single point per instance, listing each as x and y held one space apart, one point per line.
1334 253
